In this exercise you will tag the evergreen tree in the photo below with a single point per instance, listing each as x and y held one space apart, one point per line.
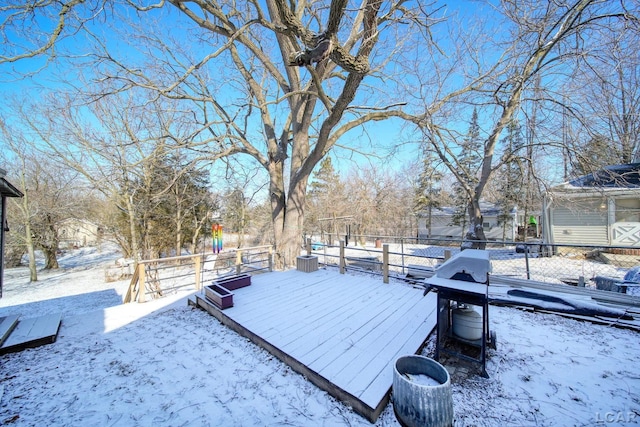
174 205
236 212
325 198
511 185
469 163
324 179
427 189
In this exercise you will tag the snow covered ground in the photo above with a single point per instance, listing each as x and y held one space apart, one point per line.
163 363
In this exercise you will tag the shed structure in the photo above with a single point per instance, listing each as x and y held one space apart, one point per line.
601 208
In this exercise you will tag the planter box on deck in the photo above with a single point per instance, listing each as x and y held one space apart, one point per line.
219 295
233 282
307 263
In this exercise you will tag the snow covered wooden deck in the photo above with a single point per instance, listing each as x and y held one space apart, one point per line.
17 335
342 332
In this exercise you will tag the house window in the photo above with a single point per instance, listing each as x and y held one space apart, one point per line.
628 210
486 226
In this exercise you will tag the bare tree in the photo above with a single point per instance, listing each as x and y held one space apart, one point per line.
293 71
543 39
278 81
300 95
47 23
283 82
52 194
381 201
118 145
605 95
23 205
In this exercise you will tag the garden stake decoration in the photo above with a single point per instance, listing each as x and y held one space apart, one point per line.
216 231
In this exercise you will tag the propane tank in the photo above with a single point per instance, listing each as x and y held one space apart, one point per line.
466 323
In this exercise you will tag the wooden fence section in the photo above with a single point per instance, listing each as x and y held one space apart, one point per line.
147 279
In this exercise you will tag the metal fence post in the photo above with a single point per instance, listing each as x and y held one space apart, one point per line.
342 260
526 260
402 251
385 263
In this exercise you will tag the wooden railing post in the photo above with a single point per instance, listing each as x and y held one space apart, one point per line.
131 291
343 262
198 268
238 261
385 263
137 286
308 246
140 297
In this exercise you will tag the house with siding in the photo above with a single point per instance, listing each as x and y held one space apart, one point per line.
601 208
77 233
442 226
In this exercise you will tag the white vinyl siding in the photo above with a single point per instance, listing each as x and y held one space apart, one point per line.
584 224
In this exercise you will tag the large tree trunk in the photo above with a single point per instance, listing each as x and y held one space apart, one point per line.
50 245
290 245
33 271
278 207
135 250
295 206
288 219
178 232
475 237
51 262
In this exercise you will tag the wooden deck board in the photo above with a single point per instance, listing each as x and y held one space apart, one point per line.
356 369
300 303
350 346
366 347
7 325
33 332
343 332
342 329
386 373
320 317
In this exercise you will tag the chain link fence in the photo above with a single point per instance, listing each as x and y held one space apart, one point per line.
534 260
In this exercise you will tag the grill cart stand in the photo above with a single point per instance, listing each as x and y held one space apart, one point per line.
463 280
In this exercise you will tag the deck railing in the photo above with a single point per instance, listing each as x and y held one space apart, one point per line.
156 277
555 264
397 256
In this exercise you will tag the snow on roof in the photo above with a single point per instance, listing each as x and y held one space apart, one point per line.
626 176
487 208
